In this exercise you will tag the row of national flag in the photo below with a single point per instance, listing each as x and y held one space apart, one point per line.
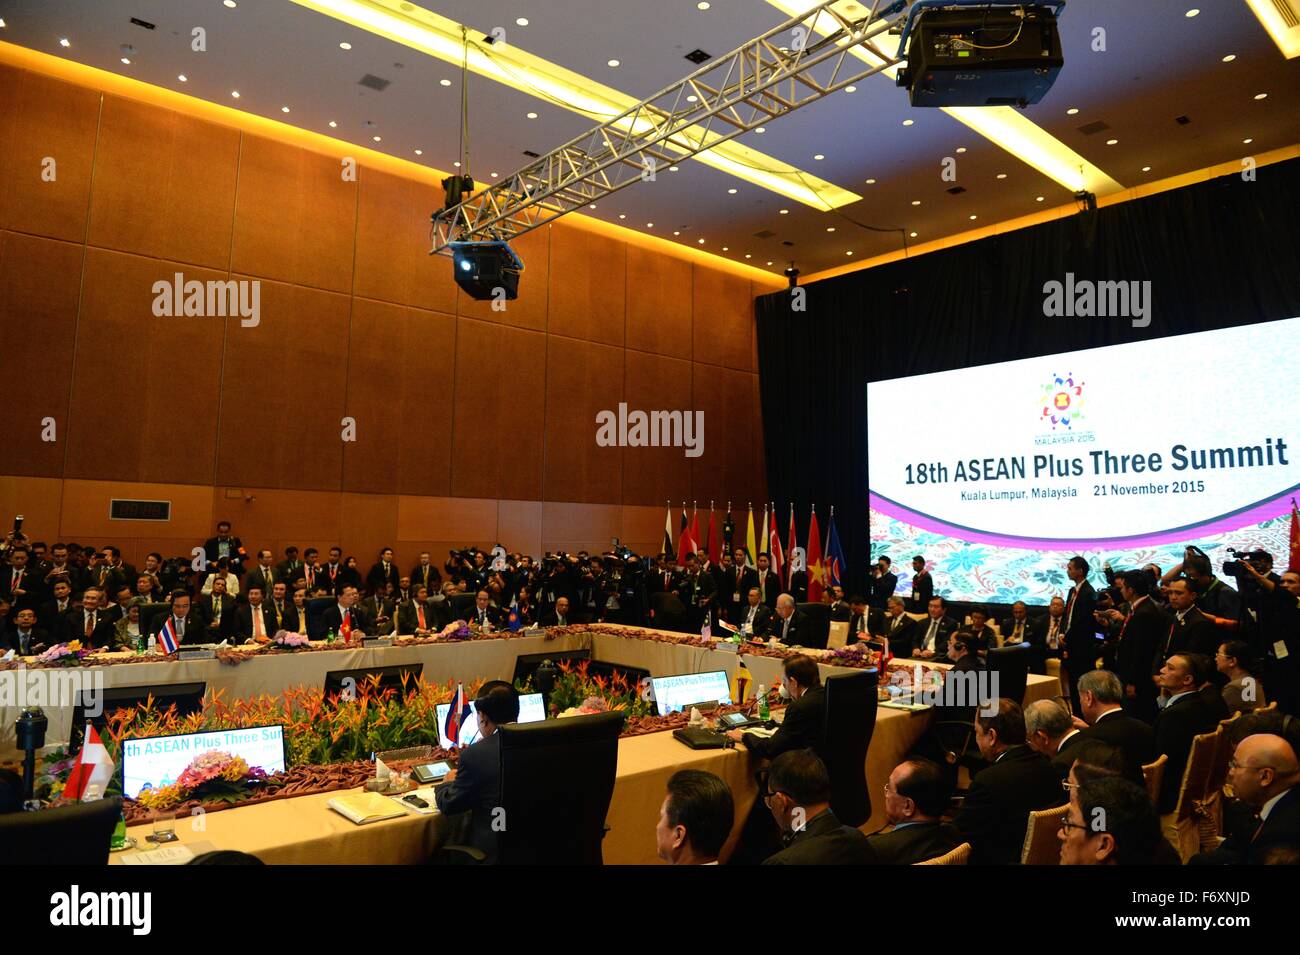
825 565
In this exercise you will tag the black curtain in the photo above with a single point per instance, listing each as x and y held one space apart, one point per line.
1219 253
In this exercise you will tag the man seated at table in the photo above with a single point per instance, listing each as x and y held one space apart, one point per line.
789 624
1050 730
1265 775
930 638
916 797
26 639
797 791
558 616
984 637
474 786
252 621
1111 821
1100 696
485 615
341 616
186 622
414 616
801 683
695 819
893 625
757 616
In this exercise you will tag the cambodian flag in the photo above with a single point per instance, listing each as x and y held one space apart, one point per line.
457 713
167 636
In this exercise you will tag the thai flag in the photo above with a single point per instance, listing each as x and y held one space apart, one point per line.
457 714
167 636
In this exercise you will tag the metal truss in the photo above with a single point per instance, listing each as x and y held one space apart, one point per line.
786 68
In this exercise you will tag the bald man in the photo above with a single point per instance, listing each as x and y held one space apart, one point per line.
1265 775
789 623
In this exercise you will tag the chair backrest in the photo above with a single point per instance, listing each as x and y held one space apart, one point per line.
958 856
314 608
1222 754
1153 774
819 625
1197 774
149 613
848 722
1042 844
557 778
78 834
669 612
462 605
1011 664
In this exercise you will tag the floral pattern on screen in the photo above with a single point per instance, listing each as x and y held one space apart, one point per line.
970 570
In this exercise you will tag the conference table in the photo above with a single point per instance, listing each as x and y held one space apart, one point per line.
304 830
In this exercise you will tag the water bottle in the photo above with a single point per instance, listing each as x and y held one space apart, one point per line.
139 643
119 834
152 647
764 713
329 637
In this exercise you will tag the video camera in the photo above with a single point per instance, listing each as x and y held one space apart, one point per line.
1233 568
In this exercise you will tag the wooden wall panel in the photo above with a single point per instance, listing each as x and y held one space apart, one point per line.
497 430
587 285
723 319
183 209
519 526
85 512
295 216
305 518
42 118
392 255
368 523
725 468
573 527
459 519
658 303
38 499
399 392
144 387
529 309
582 380
643 523
655 475
282 392
40 281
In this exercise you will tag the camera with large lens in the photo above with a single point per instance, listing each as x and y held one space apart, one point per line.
1233 568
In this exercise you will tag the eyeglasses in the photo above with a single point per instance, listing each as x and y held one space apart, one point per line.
1233 764
1067 824
1068 786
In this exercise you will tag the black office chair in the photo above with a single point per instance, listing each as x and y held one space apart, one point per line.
1011 664
669 613
314 608
850 719
819 625
461 606
557 778
78 834
150 614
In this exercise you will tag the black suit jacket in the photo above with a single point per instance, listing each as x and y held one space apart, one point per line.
194 631
211 551
476 790
1175 726
762 617
244 621
1138 645
799 624
552 619
902 638
768 589
38 641
51 618
377 580
1249 845
1080 639
226 627
882 588
74 628
802 727
343 575
330 619
256 578
915 843
947 627
1033 633
825 841
408 618
996 811
1130 735
426 577
286 619
1193 634
922 591
494 615
1064 757
30 583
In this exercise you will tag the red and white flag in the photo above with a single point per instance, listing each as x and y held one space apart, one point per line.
167 635
774 549
92 771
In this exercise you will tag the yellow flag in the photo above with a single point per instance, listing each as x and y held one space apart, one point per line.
744 682
751 552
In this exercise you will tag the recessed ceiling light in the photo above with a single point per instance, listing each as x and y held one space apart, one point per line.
1191 13
848 253
622 216
284 109
913 234
785 212
819 157
333 125
1072 111
183 78
974 218
1261 96
701 241
702 5
961 149
760 129
1230 57
1002 175
726 248
674 168
235 93
748 256
419 152
456 164
677 232
1247 142
916 202
345 45
907 122
692 99
649 225
592 206
494 175
850 89
611 63
830 228
126 60
1111 142
871 182
230 3
1146 168
731 192
444 82
2 23
378 139
63 41
769 263
521 21
1039 199
532 115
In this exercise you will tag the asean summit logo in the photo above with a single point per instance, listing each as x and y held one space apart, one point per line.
1062 402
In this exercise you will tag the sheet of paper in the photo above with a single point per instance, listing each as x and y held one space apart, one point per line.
167 854
426 794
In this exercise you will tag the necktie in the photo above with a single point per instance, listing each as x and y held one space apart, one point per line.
279 612
14 585
419 616
930 637
180 627
90 624
259 630
750 619
302 620
1069 609
785 629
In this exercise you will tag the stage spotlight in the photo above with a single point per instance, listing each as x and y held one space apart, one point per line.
483 268
792 275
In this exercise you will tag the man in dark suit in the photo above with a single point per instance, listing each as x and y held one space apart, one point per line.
898 628
756 618
340 612
252 620
803 725
798 793
1185 714
558 615
484 614
291 568
91 625
425 574
1190 631
742 579
224 545
380 610
695 819
916 798
996 810
310 572
863 620
1101 695
768 584
1050 730
26 639
20 585
663 579
474 786
729 601
1081 646
335 574
185 621
280 610
53 613
383 573
930 636
415 616
883 583
62 567
263 576
1264 775
1139 637
218 612
695 590
922 585
1019 628
789 622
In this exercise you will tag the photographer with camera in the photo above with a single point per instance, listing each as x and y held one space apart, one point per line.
1214 598
1279 634
1249 567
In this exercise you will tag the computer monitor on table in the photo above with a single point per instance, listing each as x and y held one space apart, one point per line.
156 761
186 697
531 710
390 677
676 693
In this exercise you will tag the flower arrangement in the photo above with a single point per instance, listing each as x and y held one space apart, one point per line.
287 640
579 692
64 654
458 630
213 776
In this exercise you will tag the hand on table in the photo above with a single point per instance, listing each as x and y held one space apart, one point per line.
734 735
